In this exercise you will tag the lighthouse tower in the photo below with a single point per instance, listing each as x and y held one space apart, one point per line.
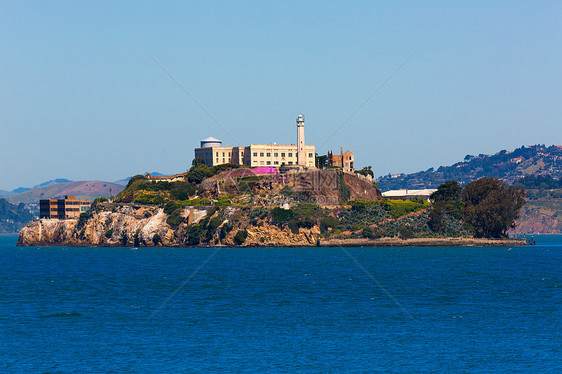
301 154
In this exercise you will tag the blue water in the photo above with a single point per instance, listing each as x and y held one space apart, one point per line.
403 310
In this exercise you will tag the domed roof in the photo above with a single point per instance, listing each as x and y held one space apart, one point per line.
211 139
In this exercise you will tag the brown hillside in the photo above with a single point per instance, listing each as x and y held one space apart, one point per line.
81 189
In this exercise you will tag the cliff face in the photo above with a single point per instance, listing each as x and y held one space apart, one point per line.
125 226
146 226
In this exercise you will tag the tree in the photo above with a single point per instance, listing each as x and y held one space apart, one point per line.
367 170
197 161
446 201
321 161
490 207
134 179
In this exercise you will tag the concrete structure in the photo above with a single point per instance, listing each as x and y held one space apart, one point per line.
69 207
255 155
301 152
344 160
409 194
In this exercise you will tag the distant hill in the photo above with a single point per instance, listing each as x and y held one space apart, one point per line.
20 190
81 189
5 193
13 217
509 166
124 181
50 182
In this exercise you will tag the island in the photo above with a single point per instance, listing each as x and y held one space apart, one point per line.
289 206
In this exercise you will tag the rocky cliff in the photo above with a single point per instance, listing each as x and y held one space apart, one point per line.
147 226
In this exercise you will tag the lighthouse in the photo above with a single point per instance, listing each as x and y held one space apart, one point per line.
301 154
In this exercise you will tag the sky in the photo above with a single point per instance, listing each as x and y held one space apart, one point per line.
86 91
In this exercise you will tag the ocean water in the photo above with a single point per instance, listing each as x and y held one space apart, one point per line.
301 310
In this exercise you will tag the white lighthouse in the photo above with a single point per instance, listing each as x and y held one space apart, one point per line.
301 154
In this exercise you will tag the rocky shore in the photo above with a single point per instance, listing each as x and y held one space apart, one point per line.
421 242
147 226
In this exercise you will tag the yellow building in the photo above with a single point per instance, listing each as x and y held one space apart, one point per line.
255 155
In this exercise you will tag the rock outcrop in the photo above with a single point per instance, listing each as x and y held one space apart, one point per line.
123 226
147 226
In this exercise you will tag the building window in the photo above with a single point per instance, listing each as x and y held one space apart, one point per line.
261 154
290 154
223 160
290 162
217 160
276 154
217 154
223 154
282 154
269 162
255 154
261 162
310 155
268 154
275 162
229 154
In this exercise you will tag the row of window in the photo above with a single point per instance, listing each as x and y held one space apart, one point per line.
276 154
223 154
274 163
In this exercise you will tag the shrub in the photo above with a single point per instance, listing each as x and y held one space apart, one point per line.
194 234
84 217
240 237
98 200
328 222
345 194
156 239
372 233
294 227
109 233
183 190
174 209
134 179
306 222
212 227
287 191
281 216
406 232
149 198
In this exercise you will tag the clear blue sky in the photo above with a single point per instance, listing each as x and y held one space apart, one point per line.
81 99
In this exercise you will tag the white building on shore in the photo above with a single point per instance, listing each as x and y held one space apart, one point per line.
405 194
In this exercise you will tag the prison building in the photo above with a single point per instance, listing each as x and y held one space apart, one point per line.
344 160
69 207
214 153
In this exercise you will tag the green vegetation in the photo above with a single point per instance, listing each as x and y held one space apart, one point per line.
507 166
83 218
174 209
542 182
367 170
344 190
240 237
99 200
109 233
280 216
446 202
13 217
490 207
204 231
